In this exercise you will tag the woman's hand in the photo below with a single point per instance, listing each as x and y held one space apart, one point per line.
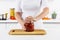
29 19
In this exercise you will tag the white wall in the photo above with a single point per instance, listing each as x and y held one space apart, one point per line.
6 5
55 6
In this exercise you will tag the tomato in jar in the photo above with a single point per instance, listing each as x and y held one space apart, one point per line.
29 27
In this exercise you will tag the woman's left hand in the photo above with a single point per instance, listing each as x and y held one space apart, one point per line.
29 19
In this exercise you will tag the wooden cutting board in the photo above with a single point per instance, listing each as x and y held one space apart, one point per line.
22 32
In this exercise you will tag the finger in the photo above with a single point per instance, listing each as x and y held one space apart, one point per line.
27 20
23 28
30 17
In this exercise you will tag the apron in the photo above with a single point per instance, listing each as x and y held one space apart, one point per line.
31 9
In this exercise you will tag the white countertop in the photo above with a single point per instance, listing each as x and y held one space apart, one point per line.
54 21
52 34
8 21
41 20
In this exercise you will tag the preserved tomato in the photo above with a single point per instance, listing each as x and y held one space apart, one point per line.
29 27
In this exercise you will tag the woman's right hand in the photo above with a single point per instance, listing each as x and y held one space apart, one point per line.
28 19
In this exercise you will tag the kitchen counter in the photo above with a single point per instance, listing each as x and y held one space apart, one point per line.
1 21
44 21
51 21
52 30
53 33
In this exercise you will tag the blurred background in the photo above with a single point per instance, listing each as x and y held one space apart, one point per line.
5 6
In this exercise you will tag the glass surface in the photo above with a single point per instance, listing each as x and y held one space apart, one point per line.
29 27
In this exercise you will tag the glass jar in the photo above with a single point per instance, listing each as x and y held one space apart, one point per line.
54 15
12 14
29 27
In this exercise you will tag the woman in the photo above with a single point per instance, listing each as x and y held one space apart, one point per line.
31 10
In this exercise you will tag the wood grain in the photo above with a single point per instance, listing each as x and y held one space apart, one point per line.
22 32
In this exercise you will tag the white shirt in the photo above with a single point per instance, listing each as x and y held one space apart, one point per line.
31 8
